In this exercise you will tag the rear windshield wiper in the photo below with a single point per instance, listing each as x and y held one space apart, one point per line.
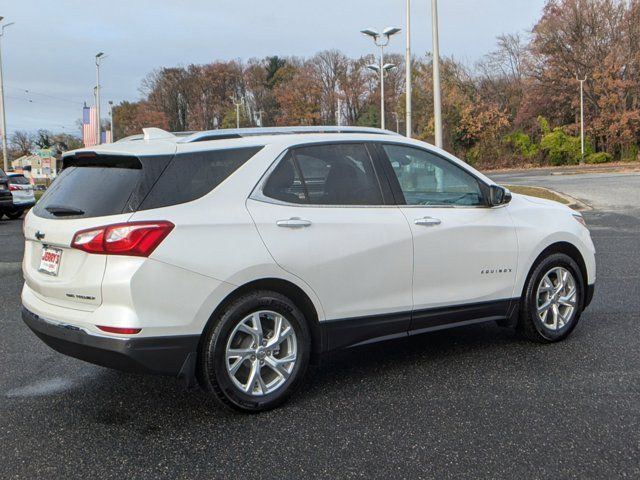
61 211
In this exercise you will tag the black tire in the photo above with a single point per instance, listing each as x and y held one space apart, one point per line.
212 369
15 215
529 324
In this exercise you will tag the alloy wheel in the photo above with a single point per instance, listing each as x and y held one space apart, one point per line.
261 353
556 299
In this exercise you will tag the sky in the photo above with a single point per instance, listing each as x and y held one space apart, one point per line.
48 55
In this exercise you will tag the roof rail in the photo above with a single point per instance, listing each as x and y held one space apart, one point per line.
225 134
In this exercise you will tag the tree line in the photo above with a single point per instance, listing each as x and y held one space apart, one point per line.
519 105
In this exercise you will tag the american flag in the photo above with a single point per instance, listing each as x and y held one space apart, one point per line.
89 134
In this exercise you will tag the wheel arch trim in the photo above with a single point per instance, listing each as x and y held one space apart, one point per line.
305 302
568 249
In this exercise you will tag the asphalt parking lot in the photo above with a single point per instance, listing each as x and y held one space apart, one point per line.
476 402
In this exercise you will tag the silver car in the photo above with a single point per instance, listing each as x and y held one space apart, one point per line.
22 193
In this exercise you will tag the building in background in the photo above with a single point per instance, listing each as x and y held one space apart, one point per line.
41 166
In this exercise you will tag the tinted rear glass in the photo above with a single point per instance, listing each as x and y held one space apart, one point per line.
193 175
18 180
99 186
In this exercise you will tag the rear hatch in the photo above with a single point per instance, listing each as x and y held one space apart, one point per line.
99 190
21 189
92 191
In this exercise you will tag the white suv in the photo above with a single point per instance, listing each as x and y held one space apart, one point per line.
236 257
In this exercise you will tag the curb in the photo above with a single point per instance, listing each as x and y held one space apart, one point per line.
572 202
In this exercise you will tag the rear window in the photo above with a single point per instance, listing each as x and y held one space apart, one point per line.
98 186
18 180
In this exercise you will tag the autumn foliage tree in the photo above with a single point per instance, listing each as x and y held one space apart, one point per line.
518 105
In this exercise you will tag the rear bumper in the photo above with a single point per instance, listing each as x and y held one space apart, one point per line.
172 355
23 204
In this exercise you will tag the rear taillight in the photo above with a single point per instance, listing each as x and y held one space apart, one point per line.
138 239
13 188
120 331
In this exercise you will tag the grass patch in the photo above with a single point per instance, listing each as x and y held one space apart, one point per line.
38 194
538 192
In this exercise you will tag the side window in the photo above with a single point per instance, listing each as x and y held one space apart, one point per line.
340 174
427 179
192 175
284 183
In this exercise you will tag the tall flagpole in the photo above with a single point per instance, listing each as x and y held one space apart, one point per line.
383 123
581 80
3 111
408 92
437 99
98 126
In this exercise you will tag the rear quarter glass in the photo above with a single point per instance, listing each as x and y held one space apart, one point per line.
192 175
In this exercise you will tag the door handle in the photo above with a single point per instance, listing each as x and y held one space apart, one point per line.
428 222
293 223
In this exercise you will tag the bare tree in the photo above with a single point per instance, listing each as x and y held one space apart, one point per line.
22 143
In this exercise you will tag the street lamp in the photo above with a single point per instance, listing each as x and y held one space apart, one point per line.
437 99
395 115
581 80
111 120
5 153
408 88
387 33
238 103
100 56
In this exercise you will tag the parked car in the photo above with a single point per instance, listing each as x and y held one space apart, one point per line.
6 199
281 245
22 193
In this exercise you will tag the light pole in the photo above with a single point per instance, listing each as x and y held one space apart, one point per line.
395 115
99 57
113 139
581 80
387 33
238 104
381 69
437 99
407 61
5 153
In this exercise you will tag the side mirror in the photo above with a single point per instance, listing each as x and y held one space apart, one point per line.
499 195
